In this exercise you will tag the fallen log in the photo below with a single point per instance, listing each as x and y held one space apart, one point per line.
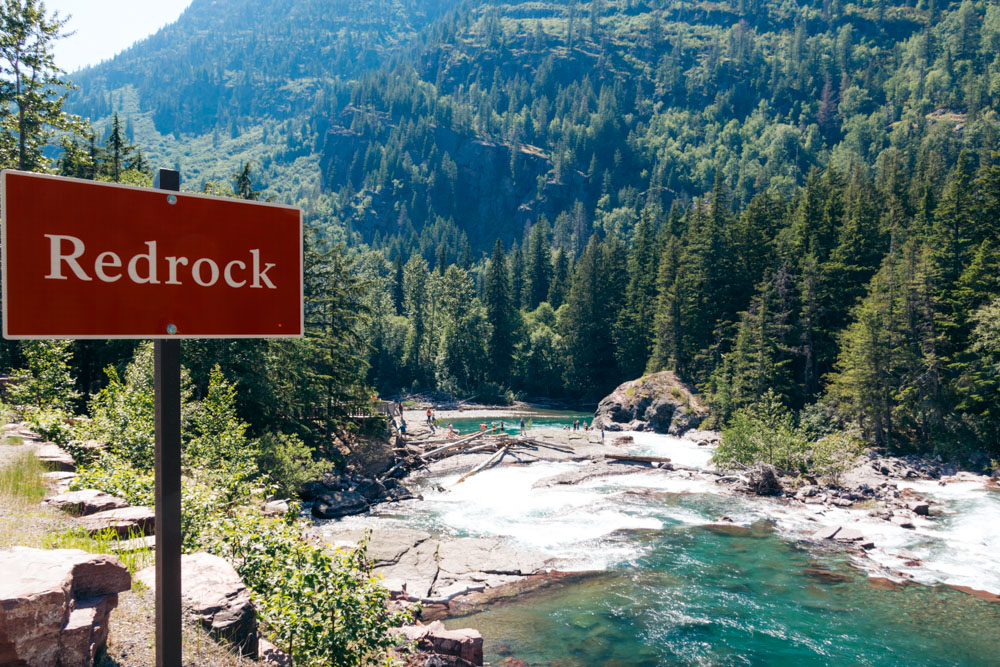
496 457
454 445
633 458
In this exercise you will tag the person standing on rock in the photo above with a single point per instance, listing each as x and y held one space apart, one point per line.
522 425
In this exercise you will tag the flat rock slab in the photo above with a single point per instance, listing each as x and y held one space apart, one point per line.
55 457
826 532
85 501
55 604
139 520
849 535
213 593
465 643
434 569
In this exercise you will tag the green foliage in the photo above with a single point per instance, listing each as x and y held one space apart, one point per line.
122 413
764 431
52 424
33 91
288 463
47 382
118 476
835 454
322 608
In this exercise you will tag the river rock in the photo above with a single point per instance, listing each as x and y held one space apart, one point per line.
276 508
763 479
269 654
920 509
214 594
126 521
417 566
466 643
659 402
826 532
903 522
55 605
55 457
335 504
85 501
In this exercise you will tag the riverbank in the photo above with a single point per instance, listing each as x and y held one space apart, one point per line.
567 509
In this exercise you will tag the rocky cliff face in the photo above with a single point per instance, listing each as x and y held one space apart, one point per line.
659 402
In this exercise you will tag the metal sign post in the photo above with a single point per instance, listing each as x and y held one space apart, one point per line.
167 388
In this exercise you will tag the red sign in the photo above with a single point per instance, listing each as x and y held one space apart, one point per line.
83 259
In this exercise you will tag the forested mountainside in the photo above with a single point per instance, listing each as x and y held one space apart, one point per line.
502 112
759 195
226 64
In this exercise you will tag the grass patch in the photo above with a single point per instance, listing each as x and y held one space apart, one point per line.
13 440
106 542
21 481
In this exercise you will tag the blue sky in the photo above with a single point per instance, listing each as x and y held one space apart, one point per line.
105 27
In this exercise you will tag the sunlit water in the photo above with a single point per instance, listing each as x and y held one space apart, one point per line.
676 589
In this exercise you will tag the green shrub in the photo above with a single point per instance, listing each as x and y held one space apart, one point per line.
763 432
288 463
835 454
51 423
322 608
46 383
114 474
123 412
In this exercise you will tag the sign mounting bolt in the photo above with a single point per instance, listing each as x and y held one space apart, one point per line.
171 199
171 329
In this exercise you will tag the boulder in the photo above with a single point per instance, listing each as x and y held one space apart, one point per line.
214 594
903 522
55 457
763 480
659 402
920 509
139 520
269 654
85 502
335 504
276 508
466 643
55 605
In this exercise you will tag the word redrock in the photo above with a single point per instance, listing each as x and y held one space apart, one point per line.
143 268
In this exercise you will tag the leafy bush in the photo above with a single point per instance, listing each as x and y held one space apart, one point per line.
123 412
835 454
46 383
288 463
51 423
114 474
766 432
322 608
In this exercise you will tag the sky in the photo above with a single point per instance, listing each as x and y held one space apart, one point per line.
106 27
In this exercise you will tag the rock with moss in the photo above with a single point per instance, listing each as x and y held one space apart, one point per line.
659 402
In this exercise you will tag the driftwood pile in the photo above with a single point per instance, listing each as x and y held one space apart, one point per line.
417 453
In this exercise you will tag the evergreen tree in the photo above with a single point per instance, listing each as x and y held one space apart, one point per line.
32 92
501 316
538 265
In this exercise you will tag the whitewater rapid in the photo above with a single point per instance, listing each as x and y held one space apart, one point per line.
587 525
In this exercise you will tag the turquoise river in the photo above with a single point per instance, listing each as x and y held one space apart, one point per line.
672 582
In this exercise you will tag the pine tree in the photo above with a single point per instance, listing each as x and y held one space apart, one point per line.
500 314
560 280
538 265
33 91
